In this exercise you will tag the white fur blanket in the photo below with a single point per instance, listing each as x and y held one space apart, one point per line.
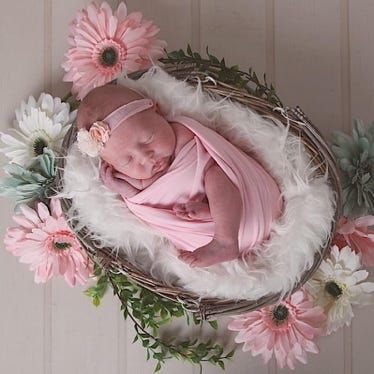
277 264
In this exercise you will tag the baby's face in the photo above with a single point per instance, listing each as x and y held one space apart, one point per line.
141 147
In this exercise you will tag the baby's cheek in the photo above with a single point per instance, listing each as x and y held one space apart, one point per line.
167 146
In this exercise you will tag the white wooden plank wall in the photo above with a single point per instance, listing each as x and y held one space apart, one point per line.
319 55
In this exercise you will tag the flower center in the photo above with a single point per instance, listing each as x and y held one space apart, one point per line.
333 289
280 314
109 57
60 241
61 246
38 146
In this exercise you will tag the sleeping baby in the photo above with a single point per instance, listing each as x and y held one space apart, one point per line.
213 201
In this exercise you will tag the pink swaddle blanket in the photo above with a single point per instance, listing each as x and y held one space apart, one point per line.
184 180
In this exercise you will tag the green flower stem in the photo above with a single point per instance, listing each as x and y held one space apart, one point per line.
67 97
230 75
193 352
74 104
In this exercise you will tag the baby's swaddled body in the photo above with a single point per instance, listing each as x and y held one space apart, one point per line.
184 180
162 167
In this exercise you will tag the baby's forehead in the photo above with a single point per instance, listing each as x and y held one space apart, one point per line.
133 127
102 101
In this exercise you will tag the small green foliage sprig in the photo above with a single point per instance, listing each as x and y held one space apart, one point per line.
355 156
98 291
149 311
218 70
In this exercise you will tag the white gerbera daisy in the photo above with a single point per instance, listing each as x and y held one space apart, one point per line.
338 284
41 124
53 107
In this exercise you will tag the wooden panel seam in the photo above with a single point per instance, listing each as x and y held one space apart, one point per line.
121 341
195 26
348 362
47 45
345 56
47 75
47 329
270 41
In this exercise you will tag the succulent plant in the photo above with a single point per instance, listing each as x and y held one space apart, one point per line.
355 156
31 184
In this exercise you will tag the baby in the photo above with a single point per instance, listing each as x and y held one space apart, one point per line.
209 198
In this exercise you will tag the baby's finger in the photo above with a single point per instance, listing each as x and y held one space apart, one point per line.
180 211
193 263
182 254
198 197
192 214
179 208
183 215
103 170
185 256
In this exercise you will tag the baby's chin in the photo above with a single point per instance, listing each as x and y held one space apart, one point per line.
149 177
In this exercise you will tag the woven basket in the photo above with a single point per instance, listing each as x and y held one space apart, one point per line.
206 308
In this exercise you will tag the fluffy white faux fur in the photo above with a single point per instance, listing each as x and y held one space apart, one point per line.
278 263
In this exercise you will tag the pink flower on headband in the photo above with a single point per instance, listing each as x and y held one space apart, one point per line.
91 142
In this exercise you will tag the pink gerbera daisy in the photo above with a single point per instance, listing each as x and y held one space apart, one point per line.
356 235
44 241
286 330
105 43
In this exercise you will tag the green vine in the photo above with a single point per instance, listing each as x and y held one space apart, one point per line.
149 311
218 70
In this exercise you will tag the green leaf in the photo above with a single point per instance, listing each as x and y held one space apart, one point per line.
164 314
145 342
218 349
189 50
98 291
213 324
230 354
29 185
221 365
158 367
158 356
201 350
196 56
45 164
213 59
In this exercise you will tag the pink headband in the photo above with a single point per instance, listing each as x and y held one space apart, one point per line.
91 142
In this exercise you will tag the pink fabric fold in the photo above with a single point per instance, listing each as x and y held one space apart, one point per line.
262 202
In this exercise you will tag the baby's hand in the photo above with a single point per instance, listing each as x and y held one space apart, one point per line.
193 210
116 184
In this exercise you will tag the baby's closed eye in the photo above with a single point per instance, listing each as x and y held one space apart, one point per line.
148 139
126 162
